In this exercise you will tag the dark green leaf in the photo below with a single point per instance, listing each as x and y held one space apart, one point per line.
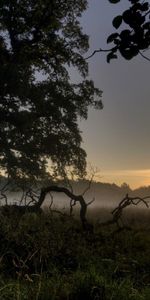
117 21
127 16
111 56
125 34
145 6
129 53
114 1
112 37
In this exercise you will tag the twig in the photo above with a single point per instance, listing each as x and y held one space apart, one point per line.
90 202
92 171
72 203
89 185
117 212
109 50
52 200
22 197
3 190
99 50
33 196
147 58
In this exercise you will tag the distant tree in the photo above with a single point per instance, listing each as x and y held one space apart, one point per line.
39 105
134 38
125 187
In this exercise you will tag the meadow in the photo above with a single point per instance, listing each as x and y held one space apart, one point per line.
50 257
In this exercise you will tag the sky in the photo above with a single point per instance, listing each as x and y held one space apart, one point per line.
117 138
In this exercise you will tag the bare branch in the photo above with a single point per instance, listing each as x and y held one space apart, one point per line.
109 50
32 201
144 56
147 13
117 212
67 180
90 202
4 197
3 191
33 196
98 50
72 203
37 201
23 196
75 198
52 200
89 185
125 202
140 200
93 172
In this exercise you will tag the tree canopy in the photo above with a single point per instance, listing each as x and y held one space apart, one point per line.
135 34
39 104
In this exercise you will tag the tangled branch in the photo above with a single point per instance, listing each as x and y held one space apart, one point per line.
125 202
3 191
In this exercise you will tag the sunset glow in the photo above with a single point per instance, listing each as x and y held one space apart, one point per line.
135 178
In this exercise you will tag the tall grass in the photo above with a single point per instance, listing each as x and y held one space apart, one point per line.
50 258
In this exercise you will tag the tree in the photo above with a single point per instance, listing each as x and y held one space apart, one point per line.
39 105
125 187
134 39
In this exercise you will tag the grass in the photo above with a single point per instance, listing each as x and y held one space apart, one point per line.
44 257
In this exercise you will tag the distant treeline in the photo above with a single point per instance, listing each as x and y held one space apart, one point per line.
104 193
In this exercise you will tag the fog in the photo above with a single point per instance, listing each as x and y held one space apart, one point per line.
104 195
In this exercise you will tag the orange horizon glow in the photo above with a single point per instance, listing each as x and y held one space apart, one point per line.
135 178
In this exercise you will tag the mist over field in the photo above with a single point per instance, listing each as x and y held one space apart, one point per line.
104 195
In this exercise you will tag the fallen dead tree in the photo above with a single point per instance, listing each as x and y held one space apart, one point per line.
117 213
37 200
73 200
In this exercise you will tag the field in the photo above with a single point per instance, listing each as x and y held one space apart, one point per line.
49 257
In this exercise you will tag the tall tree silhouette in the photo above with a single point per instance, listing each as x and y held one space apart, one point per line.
39 105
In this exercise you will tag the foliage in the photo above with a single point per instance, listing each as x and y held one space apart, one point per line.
39 105
135 36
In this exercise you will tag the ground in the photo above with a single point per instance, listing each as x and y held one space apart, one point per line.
49 257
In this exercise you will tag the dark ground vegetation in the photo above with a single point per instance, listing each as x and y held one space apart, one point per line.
49 256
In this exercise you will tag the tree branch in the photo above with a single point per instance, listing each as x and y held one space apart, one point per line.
98 50
117 212
147 58
37 203
73 197
109 50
